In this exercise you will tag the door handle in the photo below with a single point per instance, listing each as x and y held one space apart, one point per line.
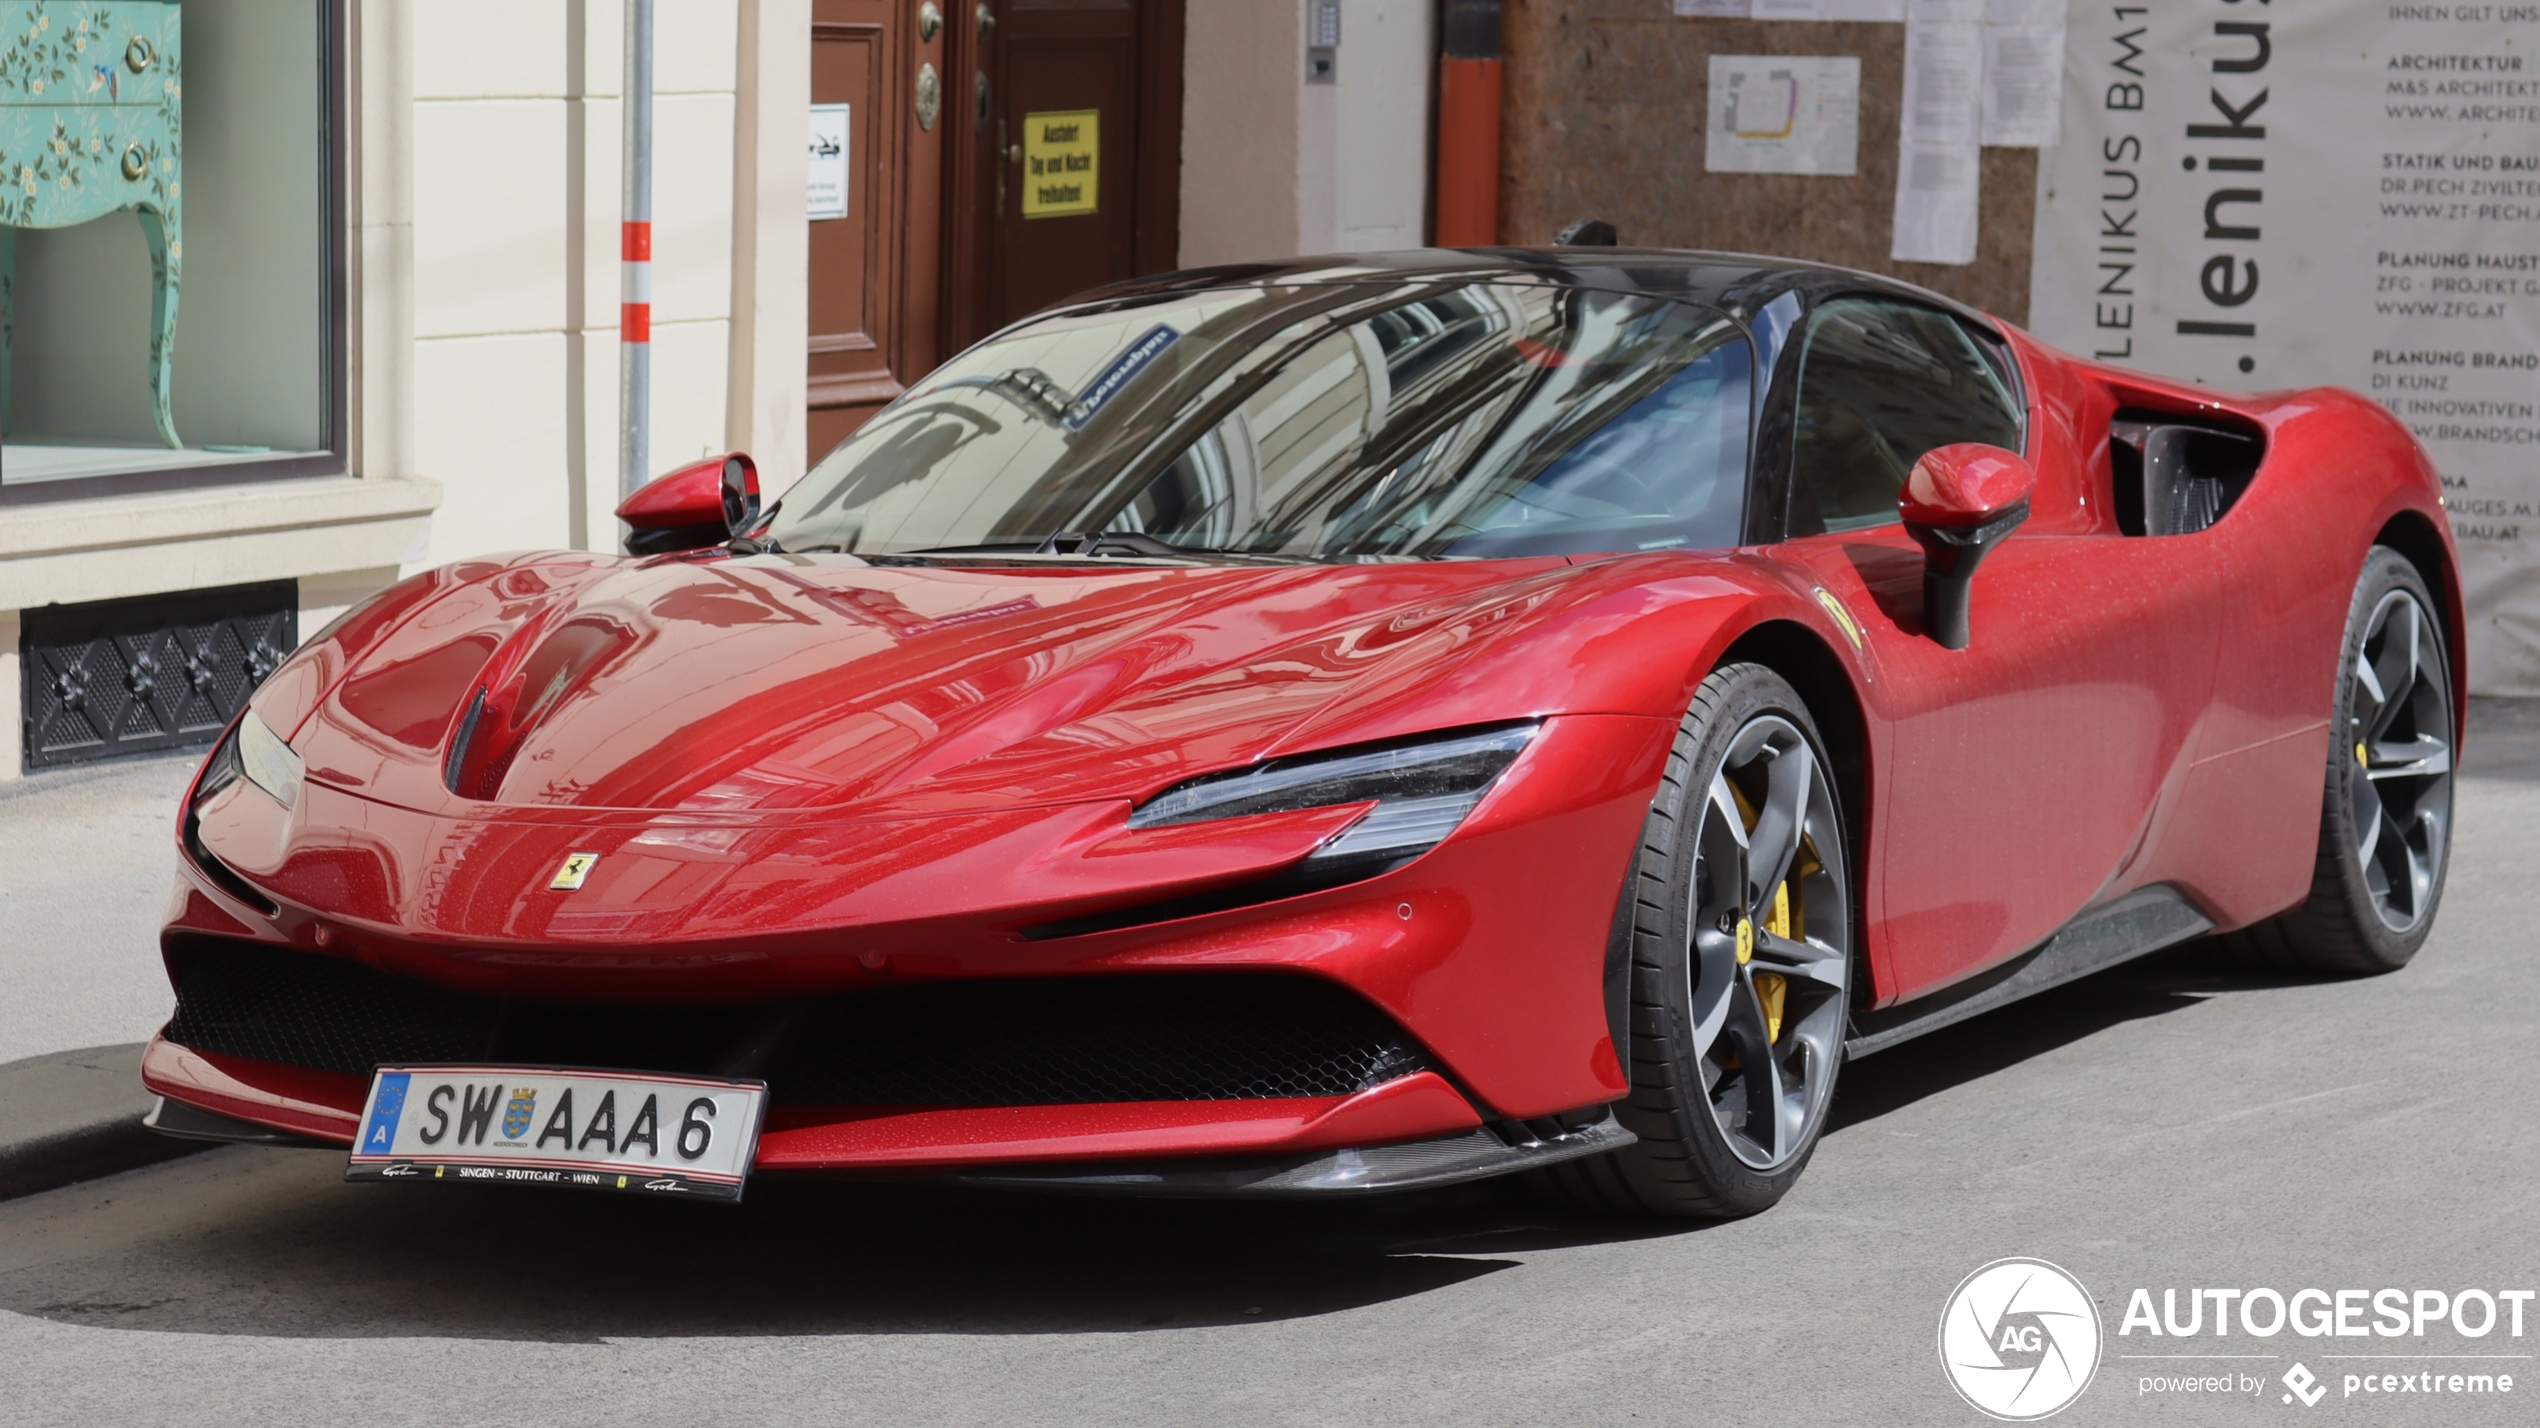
930 96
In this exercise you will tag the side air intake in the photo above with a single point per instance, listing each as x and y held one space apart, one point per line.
2178 475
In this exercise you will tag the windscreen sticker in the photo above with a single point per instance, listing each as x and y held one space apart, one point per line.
1099 392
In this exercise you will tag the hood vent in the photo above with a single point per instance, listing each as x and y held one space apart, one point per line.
536 671
456 760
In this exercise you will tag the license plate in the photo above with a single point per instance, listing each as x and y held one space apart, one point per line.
684 1136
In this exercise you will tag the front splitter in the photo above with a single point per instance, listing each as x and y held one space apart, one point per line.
1409 1165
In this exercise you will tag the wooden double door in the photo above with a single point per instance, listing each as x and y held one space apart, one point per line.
999 156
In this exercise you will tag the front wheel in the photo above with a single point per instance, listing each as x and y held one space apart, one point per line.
2386 810
1741 933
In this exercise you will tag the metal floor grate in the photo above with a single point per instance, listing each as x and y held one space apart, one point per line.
160 672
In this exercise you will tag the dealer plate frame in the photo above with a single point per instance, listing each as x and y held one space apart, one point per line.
512 1158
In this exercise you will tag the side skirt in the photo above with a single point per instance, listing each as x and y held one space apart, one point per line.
2142 921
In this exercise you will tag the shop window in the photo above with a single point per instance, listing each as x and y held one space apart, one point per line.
171 243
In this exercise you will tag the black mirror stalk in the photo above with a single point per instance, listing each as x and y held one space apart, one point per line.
1950 557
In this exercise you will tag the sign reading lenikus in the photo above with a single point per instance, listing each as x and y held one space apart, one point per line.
2341 193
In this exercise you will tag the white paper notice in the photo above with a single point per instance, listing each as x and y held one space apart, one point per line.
1945 12
1784 114
828 191
1889 11
2024 85
1713 9
2024 12
1790 9
1944 83
1935 203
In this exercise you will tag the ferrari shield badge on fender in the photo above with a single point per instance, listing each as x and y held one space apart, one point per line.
577 866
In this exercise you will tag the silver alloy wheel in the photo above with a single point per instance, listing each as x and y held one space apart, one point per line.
2400 730
1772 943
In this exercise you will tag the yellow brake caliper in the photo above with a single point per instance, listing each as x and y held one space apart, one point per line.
1771 988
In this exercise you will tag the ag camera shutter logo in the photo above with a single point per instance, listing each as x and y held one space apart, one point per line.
2019 1340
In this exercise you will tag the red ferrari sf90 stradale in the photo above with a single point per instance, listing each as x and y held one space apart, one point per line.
1325 728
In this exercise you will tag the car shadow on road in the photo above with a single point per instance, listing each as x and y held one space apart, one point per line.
271 1242
2170 980
280 1247
1995 1041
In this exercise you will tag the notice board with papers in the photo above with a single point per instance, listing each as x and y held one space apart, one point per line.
1609 109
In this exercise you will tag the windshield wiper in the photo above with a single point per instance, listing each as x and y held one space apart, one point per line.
1115 543
1096 545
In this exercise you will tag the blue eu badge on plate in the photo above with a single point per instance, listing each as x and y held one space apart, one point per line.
386 1107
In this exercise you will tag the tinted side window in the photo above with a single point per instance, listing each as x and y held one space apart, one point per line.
1880 383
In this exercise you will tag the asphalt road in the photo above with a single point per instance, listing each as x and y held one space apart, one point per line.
2168 1124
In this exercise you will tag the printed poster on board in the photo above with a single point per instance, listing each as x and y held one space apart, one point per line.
2338 192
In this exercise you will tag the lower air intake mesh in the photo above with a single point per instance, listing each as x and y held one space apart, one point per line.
1025 1041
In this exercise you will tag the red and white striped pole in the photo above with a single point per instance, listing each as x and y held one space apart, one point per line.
635 296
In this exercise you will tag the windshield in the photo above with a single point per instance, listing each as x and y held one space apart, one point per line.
1322 422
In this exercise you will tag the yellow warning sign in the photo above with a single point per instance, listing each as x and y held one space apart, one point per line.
1062 162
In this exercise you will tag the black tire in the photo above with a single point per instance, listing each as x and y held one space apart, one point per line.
1722 1132
2386 817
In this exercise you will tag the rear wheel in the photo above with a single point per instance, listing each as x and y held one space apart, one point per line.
1741 963
2386 811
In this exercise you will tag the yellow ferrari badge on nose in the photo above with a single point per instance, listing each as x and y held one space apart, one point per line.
577 866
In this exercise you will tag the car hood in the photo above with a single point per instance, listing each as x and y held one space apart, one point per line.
776 684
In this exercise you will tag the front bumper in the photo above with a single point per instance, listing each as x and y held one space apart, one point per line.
1490 954
1413 1132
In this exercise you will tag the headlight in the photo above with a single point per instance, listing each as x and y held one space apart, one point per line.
262 758
258 755
1421 791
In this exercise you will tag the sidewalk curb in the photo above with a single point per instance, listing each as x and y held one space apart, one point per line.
76 1115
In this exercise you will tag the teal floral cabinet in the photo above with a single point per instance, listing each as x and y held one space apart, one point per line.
91 121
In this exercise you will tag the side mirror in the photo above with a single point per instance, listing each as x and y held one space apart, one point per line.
701 504
1959 503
